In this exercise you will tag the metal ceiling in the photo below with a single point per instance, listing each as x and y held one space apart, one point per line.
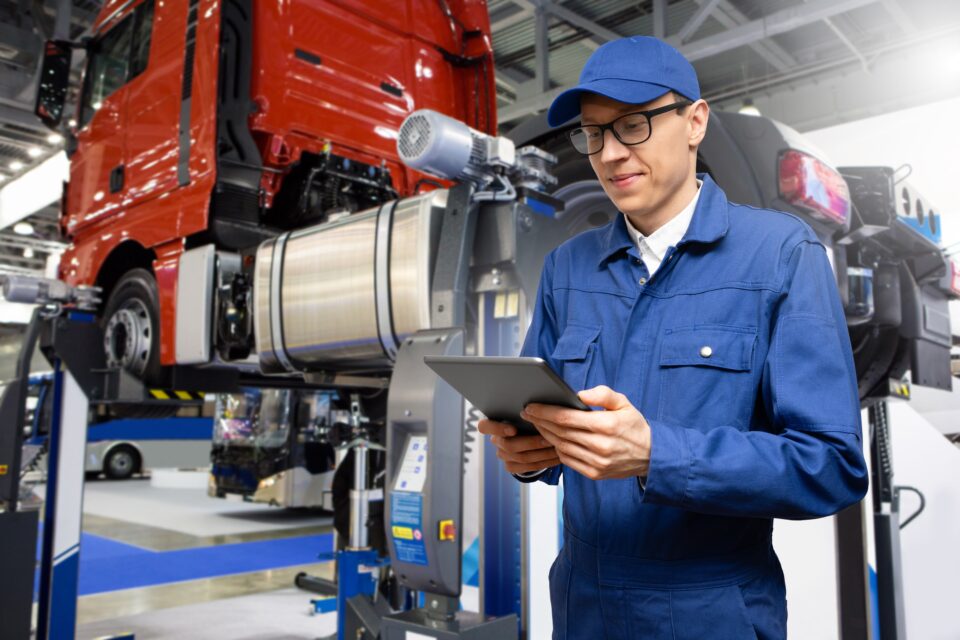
759 49
739 47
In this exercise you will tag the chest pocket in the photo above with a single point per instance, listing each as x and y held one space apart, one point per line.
574 353
706 376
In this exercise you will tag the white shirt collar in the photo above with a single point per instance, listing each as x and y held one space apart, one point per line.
669 234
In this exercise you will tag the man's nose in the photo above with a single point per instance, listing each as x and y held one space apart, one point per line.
613 150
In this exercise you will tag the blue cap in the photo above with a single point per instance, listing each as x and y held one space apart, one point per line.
632 70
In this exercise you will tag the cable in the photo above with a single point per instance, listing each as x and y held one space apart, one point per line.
923 503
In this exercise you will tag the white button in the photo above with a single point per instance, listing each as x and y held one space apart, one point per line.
643 281
705 352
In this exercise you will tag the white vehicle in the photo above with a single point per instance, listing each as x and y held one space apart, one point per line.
119 448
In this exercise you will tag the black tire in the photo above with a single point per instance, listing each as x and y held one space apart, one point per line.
121 463
131 326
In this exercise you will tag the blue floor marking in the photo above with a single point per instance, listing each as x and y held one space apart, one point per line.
108 565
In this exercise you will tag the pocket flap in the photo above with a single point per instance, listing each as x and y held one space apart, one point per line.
574 342
721 347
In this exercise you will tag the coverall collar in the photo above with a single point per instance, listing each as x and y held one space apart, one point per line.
710 222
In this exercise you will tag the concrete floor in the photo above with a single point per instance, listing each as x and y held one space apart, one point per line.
161 611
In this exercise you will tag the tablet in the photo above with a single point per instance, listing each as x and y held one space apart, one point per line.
501 387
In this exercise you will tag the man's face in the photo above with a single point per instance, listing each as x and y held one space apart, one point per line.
644 180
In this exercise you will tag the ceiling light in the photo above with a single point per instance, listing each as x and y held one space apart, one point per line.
28 252
748 108
16 165
23 228
34 152
71 122
54 138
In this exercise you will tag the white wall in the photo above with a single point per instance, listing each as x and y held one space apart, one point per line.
924 459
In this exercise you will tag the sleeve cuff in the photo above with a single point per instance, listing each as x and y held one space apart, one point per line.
670 461
530 476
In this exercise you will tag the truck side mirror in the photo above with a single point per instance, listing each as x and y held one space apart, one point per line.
54 78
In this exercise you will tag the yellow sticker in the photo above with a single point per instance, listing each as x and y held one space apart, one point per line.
3 469
404 533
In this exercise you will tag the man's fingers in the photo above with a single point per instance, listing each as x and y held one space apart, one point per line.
491 428
536 455
605 397
521 443
520 467
585 456
596 443
561 416
579 466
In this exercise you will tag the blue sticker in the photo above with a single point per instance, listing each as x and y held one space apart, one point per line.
406 527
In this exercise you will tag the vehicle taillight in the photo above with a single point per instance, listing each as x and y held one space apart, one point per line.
813 186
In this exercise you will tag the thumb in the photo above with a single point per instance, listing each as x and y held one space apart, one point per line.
605 397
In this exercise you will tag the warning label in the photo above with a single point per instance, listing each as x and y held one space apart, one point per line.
406 516
404 533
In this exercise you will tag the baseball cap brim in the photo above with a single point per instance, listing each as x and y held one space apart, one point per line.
567 105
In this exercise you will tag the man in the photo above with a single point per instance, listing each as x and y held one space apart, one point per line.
711 340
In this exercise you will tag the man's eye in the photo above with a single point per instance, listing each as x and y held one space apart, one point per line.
592 134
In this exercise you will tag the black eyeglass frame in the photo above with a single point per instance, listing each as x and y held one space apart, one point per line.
610 125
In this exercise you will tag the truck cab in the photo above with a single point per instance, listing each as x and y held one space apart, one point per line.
197 125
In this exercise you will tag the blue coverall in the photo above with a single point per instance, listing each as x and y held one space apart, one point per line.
736 352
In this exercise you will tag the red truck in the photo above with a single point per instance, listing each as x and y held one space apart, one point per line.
226 123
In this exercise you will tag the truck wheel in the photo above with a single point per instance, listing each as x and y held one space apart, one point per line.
131 323
121 463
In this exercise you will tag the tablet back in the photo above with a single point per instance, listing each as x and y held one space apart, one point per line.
500 387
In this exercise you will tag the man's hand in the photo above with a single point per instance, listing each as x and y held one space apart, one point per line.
614 443
520 454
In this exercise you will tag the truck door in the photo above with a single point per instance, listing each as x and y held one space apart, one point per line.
153 101
99 155
97 169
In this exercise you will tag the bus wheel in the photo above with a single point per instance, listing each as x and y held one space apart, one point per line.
121 462
131 323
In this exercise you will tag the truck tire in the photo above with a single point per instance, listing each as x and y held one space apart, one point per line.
131 326
121 462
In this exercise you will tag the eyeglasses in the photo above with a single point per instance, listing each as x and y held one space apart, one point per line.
629 129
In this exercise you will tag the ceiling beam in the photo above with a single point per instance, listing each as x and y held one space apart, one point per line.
509 16
577 20
748 33
729 16
26 242
525 107
696 20
660 19
901 17
20 39
776 23
848 43
10 269
22 117
542 48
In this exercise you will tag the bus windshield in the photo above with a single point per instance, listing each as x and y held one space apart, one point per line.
256 418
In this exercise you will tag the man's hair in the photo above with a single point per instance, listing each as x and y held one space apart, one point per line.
677 98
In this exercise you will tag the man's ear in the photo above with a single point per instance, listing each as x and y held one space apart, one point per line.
699 114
